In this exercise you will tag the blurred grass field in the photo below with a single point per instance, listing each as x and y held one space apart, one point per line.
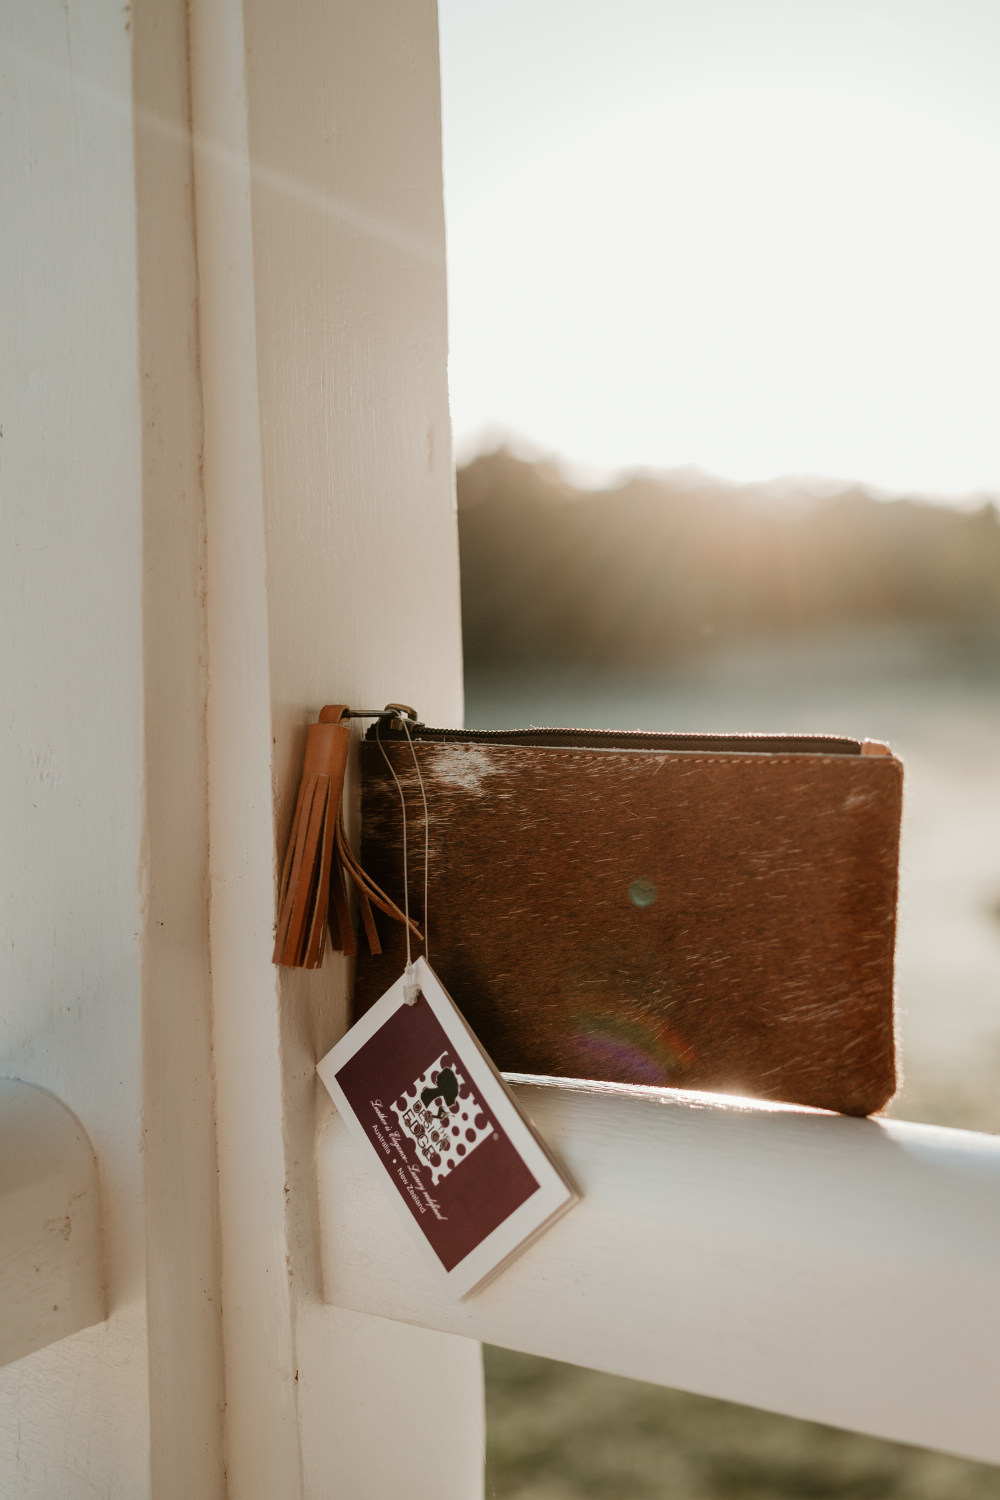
555 1432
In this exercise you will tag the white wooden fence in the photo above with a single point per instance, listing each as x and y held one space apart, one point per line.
227 498
842 1270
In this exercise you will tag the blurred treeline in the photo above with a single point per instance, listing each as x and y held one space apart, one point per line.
662 567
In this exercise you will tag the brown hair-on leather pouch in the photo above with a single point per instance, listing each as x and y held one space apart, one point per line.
705 912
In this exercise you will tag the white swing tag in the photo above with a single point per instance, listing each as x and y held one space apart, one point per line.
455 1152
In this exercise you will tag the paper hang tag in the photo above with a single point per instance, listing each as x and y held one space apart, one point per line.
459 1159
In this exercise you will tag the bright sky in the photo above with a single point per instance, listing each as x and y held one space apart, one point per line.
758 236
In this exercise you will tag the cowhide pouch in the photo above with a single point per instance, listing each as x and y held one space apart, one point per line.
718 917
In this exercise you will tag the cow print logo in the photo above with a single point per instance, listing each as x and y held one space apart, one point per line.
442 1117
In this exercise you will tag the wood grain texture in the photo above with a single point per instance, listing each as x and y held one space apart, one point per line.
762 965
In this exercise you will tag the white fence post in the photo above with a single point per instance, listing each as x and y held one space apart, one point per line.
74 1417
332 576
269 298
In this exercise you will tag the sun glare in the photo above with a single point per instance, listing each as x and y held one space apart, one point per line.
786 272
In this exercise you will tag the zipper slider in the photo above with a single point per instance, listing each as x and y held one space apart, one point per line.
395 713
392 712
401 708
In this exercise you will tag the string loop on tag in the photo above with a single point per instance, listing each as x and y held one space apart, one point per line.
411 989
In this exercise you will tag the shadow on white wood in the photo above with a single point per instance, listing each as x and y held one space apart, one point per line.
400 1412
51 1263
841 1270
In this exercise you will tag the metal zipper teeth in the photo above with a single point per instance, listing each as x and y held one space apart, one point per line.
632 739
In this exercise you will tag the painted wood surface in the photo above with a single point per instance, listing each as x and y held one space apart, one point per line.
180 1167
227 497
74 1416
51 1251
332 577
837 1269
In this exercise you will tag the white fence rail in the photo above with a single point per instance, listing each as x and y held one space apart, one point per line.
842 1270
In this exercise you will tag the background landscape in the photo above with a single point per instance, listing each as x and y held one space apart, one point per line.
672 568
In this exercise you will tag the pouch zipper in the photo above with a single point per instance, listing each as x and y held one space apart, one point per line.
621 739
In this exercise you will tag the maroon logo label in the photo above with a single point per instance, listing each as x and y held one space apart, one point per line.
441 1114
453 1165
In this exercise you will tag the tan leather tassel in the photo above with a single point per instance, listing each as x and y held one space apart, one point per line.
312 895
305 880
